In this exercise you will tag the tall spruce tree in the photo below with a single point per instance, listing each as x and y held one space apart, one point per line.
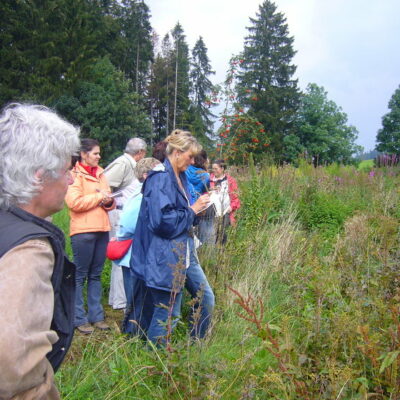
181 102
131 50
266 85
161 90
388 137
169 85
201 90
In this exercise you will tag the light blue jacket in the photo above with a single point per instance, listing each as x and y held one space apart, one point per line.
127 223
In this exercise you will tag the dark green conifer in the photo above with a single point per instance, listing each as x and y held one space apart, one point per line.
266 84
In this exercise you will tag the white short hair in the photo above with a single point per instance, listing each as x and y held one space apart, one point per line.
32 138
135 145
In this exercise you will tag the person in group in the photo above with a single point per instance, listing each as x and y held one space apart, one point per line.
136 310
121 178
159 150
36 278
163 253
228 203
197 175
89 201
199 183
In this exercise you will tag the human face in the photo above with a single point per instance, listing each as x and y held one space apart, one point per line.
139 155
51 197
217 170
92 157
184 159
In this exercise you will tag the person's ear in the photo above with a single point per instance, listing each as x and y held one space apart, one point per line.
39 175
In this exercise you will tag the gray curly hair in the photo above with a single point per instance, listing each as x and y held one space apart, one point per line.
32 138
135 145
144 166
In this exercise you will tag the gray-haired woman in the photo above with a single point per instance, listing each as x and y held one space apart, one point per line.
36 277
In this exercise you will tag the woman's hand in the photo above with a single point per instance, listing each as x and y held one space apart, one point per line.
107 200
201 203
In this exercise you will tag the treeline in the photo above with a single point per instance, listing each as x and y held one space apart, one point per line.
95 62
103 67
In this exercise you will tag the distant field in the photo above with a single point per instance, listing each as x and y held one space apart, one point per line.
366 165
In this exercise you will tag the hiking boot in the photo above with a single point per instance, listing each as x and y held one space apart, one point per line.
101 325
86 329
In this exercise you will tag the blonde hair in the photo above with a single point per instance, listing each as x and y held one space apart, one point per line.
182 141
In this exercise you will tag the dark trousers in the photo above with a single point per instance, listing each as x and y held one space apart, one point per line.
89 251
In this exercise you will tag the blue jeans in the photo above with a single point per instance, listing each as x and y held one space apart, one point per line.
89 251
161 299
197 285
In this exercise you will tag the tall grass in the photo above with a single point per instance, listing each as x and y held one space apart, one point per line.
307 292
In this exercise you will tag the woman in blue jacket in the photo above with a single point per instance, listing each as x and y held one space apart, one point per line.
197 175
199 183
163 253
138 310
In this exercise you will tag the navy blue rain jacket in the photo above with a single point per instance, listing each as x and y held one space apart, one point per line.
162 230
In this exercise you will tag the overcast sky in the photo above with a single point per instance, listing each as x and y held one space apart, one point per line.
350 47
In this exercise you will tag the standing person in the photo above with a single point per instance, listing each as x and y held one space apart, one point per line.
136 308
121 177
36 277
89 201
227 188
163 253
159 150
197 175
199 183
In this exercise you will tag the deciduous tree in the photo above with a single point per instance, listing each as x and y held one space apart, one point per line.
322 130
388 137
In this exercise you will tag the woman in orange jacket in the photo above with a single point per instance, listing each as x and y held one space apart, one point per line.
89 201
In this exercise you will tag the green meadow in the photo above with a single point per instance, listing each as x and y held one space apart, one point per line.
307 301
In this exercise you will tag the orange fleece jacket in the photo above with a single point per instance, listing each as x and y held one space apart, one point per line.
84 202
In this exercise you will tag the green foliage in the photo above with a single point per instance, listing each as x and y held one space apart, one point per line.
240 133
106 110
313 314
266 85
47 48
388 137
202 88
131 50
322 132
323 211
366 165
169 86
180 59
